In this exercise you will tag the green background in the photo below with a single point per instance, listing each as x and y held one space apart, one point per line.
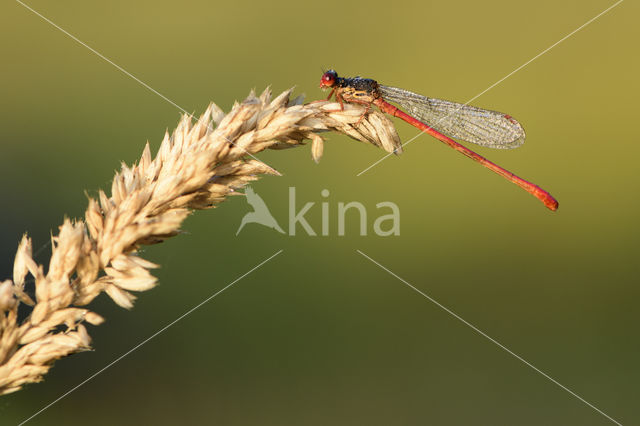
321 335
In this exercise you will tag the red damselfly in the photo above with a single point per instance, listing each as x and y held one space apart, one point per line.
438 118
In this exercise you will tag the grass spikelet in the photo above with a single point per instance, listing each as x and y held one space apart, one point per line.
196 167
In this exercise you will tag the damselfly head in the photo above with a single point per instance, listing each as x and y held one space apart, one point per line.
328 79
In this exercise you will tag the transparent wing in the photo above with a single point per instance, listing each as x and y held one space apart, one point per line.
476 125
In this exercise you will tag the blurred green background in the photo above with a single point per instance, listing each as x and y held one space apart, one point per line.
321 335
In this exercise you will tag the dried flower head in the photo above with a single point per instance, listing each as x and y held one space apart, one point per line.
196 167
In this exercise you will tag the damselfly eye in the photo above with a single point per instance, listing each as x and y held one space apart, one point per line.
329 78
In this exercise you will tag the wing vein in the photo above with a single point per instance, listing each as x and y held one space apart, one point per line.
471 124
